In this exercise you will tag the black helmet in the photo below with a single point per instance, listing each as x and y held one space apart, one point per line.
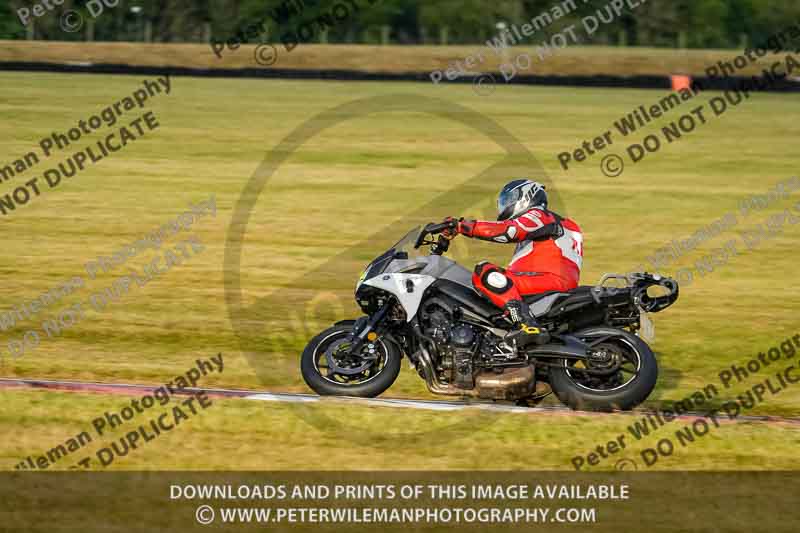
519 196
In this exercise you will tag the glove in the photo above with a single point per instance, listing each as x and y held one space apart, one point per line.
466 227
452 230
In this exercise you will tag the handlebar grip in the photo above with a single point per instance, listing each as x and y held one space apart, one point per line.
438 228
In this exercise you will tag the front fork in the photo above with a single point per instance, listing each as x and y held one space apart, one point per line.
364 326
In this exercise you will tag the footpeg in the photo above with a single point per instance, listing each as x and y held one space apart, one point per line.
527 335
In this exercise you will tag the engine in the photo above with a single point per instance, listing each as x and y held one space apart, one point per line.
456 344
464 350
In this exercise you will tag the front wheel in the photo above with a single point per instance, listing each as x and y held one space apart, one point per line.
620 373
330 370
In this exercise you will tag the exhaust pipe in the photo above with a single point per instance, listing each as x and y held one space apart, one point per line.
432 380
512 384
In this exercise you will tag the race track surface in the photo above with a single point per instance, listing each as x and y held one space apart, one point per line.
127 389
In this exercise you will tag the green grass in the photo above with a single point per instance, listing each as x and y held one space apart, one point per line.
361 180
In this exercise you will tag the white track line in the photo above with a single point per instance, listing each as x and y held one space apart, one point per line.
285 397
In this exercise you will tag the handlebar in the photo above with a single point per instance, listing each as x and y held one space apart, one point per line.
438 228
439 246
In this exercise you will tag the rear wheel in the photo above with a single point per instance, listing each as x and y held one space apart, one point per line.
620 374
329 369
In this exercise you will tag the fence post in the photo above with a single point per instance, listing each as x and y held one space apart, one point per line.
443 35
386 32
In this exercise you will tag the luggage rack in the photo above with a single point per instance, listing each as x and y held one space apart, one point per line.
639 283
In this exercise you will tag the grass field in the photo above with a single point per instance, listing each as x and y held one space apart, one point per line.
364 178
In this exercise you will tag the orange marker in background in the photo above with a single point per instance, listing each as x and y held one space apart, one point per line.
681 81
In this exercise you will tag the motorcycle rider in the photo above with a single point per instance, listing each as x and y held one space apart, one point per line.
548 256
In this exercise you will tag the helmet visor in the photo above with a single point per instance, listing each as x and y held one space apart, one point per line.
507 199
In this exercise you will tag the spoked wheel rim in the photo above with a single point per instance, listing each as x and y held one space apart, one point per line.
333 364
618 359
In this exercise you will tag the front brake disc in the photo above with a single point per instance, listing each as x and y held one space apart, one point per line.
335 367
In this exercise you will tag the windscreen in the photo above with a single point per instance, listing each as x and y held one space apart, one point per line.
406 244
380 264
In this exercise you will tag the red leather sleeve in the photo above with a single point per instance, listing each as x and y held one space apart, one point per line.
518 229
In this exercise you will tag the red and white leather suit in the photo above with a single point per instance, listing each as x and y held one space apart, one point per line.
548 257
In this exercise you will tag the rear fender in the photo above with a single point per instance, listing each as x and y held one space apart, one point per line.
598 334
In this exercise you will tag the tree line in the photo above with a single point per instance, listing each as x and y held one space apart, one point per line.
656 23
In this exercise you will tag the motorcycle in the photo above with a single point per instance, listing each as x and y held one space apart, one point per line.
424 306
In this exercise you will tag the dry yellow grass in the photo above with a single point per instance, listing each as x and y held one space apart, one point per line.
575 60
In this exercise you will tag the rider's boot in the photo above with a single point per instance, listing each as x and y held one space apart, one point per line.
529 331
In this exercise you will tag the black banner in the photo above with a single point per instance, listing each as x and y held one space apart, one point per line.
399 501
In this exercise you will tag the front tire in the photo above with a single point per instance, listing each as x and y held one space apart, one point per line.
623 390
325 382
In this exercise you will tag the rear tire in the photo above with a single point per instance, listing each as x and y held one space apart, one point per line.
324 386
566 380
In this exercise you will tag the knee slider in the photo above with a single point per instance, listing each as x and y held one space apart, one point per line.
496 281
